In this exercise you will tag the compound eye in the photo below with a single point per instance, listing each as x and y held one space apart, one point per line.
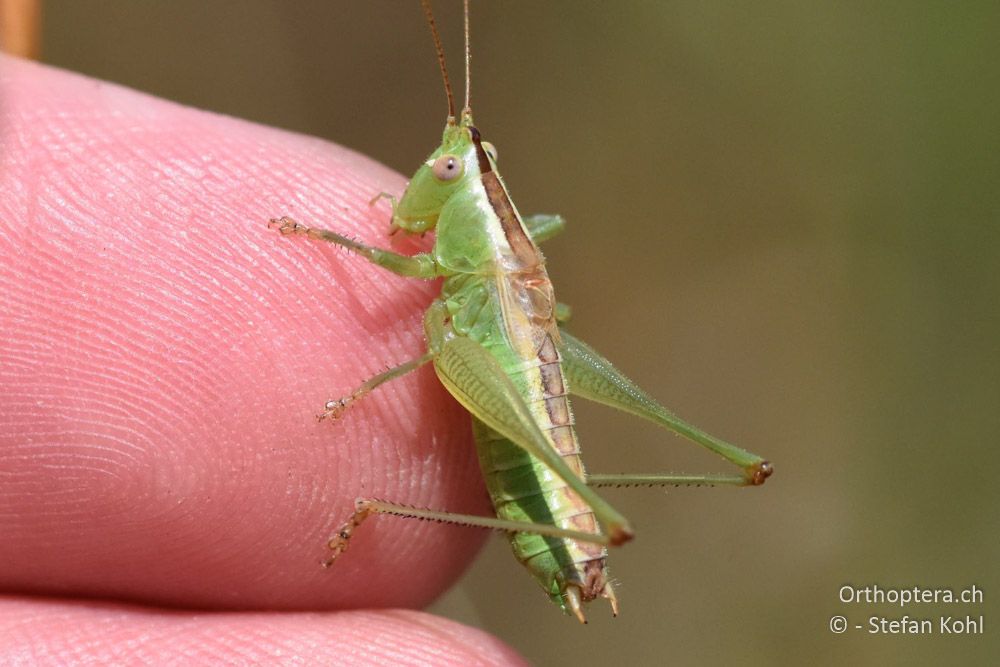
491 150
447 168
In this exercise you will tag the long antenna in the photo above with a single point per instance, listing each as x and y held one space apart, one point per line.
467 111
440 54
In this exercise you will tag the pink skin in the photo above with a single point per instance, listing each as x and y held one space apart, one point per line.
82 632
162 359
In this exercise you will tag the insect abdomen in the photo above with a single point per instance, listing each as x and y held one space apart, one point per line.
524 489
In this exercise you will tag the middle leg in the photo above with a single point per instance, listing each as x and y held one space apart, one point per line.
336 407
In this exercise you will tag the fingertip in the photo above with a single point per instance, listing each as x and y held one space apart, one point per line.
165 354
51 632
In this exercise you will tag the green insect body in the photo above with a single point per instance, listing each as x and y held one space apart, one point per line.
495 344
503 300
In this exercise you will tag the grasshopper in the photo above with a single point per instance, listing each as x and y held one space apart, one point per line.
494 339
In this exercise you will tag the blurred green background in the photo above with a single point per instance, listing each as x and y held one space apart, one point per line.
783 221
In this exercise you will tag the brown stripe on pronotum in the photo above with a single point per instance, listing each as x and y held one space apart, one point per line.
524 249
484 161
